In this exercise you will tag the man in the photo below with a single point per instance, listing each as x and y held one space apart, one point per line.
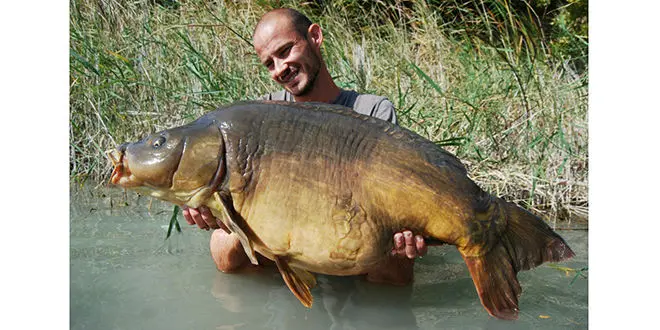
289 46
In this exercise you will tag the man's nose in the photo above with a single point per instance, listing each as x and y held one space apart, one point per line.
280 69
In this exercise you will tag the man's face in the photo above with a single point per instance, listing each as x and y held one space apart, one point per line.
289 57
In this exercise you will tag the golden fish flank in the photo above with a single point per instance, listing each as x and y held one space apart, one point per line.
320 188
347 218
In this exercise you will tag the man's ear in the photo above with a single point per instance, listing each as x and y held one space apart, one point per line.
315 35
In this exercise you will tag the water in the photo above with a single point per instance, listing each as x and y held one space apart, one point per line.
124 275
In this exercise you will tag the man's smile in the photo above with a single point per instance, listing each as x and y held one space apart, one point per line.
289 75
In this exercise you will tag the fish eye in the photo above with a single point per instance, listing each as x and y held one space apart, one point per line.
159 142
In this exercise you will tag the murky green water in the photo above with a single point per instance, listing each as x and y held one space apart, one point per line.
125 276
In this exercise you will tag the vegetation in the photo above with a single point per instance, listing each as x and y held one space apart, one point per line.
502 85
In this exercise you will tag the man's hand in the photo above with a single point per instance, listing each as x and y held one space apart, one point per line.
202 217
407 245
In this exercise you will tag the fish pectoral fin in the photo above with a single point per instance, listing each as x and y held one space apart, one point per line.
298 280
231 223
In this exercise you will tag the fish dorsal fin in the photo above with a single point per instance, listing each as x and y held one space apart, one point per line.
233 224
298 280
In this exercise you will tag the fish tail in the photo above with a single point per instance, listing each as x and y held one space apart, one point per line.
524 242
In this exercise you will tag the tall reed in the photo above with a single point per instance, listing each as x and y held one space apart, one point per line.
486 85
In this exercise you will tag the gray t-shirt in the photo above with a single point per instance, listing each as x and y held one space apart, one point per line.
366 104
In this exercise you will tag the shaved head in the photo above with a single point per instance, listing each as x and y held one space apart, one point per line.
288 44
296 20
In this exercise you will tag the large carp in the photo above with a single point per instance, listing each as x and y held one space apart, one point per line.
320 188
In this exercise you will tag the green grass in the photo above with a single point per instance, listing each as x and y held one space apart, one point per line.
478 80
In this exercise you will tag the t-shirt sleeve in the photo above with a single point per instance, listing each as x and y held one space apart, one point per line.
275 96
375 106
385 110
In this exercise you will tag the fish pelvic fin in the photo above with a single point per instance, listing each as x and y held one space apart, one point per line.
298 280
526 242
233 223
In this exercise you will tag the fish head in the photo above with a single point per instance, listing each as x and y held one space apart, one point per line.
175 165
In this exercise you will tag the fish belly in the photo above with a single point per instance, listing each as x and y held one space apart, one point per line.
316 219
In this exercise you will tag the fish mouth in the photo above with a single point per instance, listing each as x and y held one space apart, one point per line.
120 170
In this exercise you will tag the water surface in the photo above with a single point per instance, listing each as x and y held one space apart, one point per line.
124 275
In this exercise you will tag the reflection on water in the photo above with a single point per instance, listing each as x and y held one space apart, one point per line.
125 276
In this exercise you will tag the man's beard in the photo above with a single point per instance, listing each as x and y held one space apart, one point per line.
311 76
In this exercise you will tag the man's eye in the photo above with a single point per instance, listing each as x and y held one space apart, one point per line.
269 64
286 51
